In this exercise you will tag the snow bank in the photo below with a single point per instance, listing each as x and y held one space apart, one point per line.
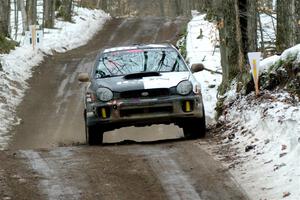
17 65
264 137
293 52
265 142
201 41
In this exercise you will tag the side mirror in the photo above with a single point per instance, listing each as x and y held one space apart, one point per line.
83 77
197 67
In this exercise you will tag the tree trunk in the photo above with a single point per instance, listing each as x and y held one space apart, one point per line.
16 14
24 16
53 10
49 13
4 17
251 26
104 5
287 24
66 10
98 4
297 21
262 49
31 12
238 36
228 43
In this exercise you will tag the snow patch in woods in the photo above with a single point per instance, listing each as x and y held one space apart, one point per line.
17 65
263 133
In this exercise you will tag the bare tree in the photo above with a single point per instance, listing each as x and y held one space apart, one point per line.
297 21
4 17
288 24
98 4
250 43
24 16
16 15
49 13
65 9
237 29
31 12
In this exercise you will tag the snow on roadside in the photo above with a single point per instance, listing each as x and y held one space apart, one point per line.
264 138
201 41
293 52
17 65
265 144
261 136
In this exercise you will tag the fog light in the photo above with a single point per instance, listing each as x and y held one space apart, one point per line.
103 113
187 106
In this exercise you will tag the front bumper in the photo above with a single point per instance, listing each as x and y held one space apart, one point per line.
144 111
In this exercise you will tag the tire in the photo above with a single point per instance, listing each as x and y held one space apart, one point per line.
93 134
195 128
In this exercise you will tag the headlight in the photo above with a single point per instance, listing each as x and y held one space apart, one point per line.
184 87
104 94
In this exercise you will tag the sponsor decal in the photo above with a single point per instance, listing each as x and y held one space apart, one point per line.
167 80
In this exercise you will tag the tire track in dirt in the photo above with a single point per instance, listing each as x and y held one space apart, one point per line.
51 184
174 180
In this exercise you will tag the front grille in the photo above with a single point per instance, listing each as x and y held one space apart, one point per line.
148 110
145 93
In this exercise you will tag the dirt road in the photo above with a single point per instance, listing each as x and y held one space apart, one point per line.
47 157
172 170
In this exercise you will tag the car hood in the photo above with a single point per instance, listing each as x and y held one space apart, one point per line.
165 80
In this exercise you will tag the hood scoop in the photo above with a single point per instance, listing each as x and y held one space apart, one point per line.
141 75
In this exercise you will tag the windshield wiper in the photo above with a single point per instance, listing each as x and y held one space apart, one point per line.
106 76
102 74
146 60
162 60
106 66
115 64
175 64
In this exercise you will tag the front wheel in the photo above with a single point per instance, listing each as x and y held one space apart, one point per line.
194 128
94 136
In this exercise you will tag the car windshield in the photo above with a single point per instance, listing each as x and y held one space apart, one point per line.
139 60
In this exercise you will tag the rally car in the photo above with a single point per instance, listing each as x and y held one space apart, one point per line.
141 85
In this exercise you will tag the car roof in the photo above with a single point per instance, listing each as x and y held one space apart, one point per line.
140 46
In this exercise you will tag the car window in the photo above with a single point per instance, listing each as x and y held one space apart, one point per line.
139 60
